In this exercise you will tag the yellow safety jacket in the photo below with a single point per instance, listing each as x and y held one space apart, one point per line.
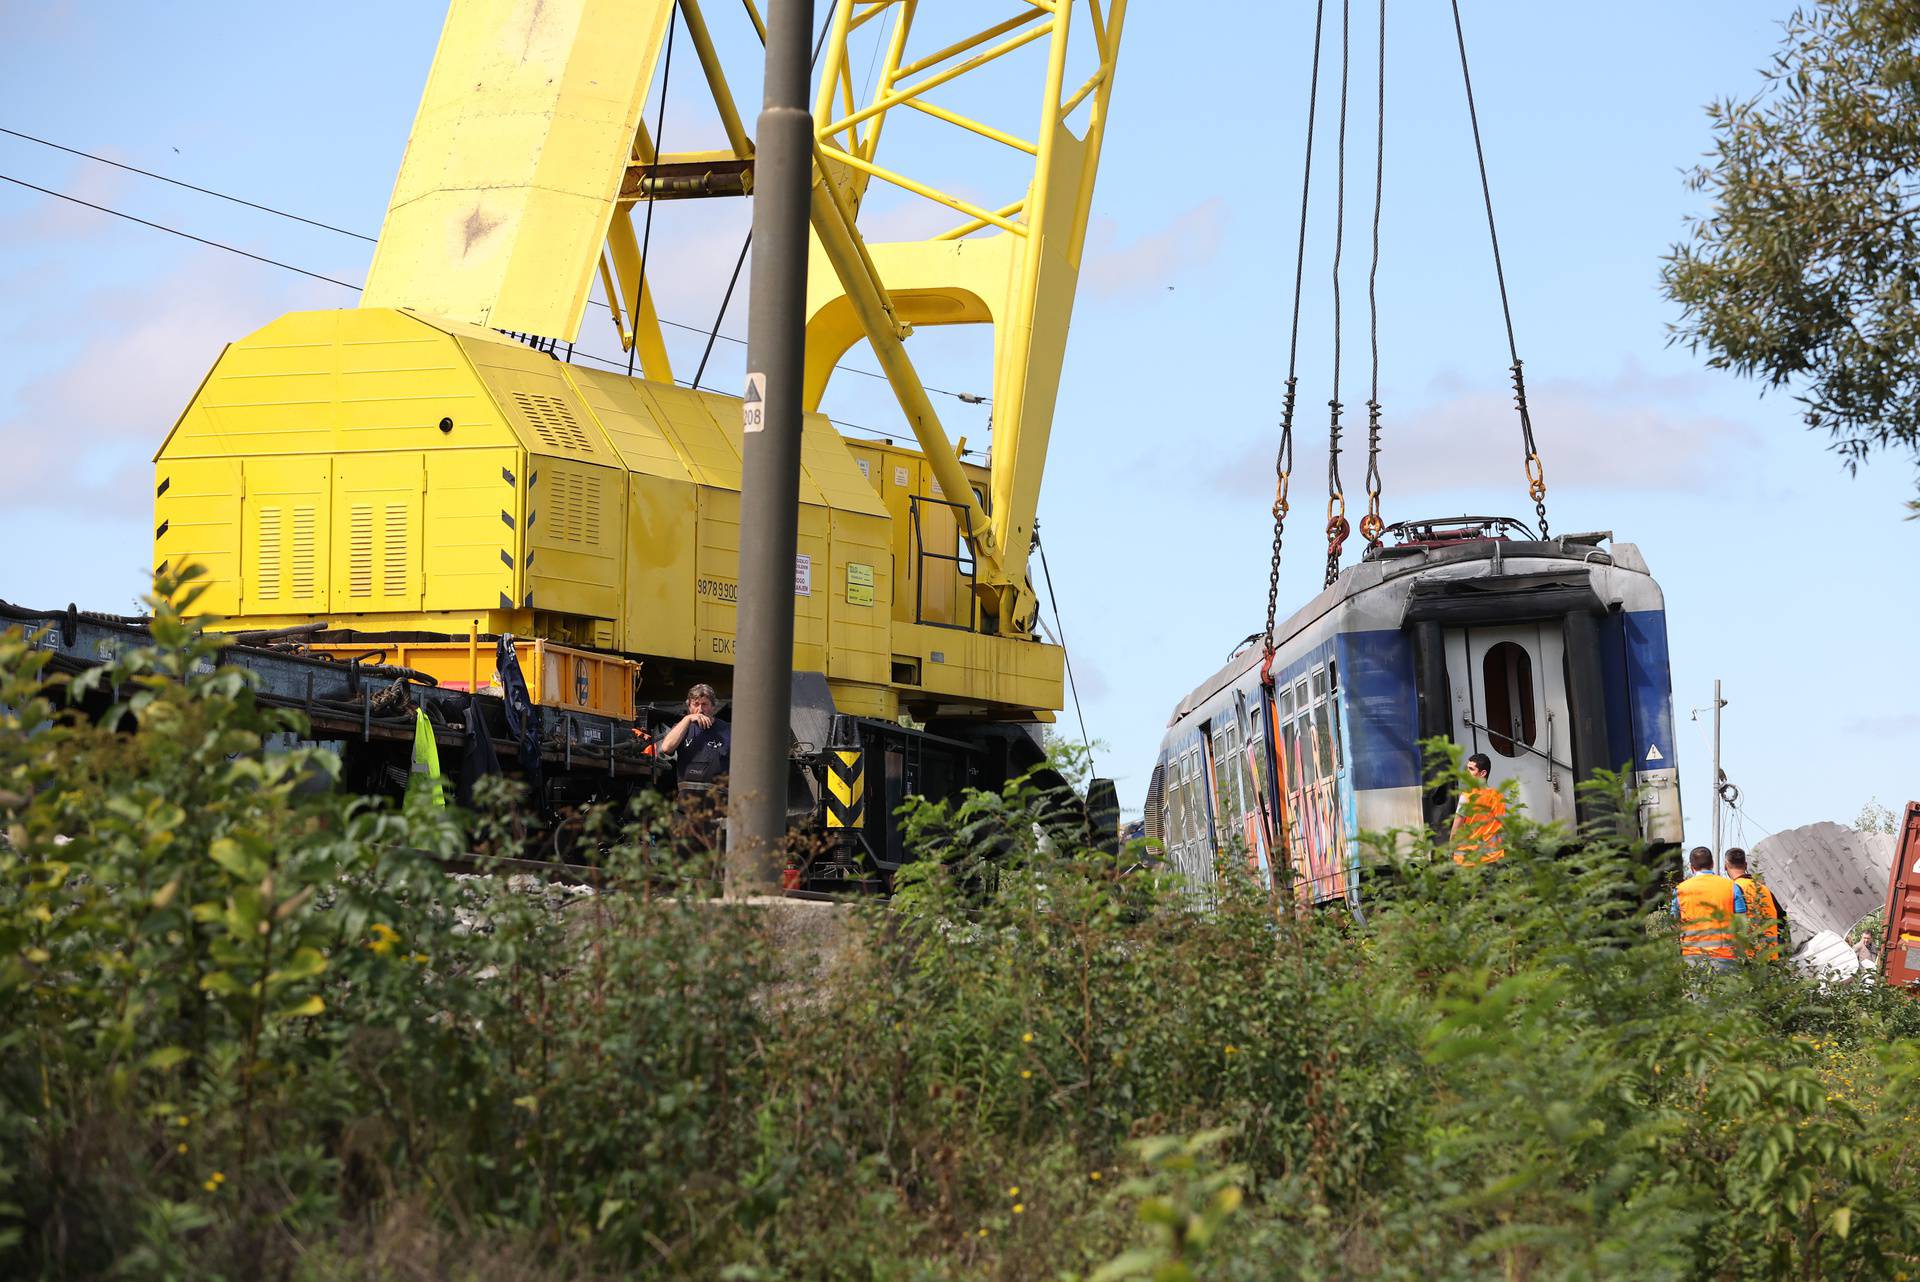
423 778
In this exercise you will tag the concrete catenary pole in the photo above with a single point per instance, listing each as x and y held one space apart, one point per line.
770 482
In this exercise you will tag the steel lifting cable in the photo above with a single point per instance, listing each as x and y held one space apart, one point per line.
646 234
1337 527
1283 460
1536 474
1079 710
726 299
1371 525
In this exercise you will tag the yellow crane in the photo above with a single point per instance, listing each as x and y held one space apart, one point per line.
426 468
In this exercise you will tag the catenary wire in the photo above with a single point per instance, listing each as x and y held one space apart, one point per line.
175 231
204 191
877 432
969 398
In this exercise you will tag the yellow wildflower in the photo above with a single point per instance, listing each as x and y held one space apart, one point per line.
1019 1208
210 1186
1014 1191
1026 1037
1093 1175
180 1147
1232 1049
1026 1072
384 938
982 1231
219 1178
182 1120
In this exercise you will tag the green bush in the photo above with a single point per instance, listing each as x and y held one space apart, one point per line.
250 1029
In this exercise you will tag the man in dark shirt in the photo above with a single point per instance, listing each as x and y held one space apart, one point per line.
703 741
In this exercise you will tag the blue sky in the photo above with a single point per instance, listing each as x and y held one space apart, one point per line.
1781 571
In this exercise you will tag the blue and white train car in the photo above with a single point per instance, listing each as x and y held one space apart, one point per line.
1550 656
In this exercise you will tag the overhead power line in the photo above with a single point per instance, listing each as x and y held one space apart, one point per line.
205 191
175 231
969 398
881 433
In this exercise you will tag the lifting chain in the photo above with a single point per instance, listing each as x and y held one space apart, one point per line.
1283 471
1337 531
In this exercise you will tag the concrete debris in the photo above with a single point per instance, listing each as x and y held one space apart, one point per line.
1827 876
1828 956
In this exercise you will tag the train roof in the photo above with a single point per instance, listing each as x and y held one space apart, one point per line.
1426 546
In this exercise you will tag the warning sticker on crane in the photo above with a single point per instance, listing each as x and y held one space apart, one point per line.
803 575
859 584
753 403
1653 752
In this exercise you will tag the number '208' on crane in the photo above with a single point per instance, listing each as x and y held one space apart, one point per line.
1549 656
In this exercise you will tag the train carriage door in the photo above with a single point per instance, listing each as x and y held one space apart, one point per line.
1510 701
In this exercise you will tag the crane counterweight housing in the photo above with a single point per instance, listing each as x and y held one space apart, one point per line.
396 473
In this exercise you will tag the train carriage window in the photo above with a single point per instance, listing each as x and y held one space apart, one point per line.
1333 710
1322 726
1226 776
1507 671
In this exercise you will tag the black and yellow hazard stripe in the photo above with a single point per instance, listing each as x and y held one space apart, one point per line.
846 788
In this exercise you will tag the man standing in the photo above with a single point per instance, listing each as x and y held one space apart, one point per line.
1760 904
1706 904
1477 836
704 742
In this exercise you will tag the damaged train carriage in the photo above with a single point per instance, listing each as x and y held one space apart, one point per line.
1550 656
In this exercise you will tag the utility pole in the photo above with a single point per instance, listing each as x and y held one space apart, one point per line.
770 464
1719 776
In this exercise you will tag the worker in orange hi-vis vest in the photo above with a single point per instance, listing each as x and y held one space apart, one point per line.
1762 907
1706 904
1477 825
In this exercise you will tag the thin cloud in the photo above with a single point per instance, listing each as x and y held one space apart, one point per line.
1151 261
1896 726
81 434
1631 432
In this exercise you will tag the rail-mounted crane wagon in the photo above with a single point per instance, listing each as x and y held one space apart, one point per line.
429 471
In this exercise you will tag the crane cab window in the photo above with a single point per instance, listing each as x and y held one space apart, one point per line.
1507 672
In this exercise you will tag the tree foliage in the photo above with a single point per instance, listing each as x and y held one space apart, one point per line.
247 1031
1806 272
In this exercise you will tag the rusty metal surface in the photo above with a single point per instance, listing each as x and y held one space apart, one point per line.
1901 957
1826 875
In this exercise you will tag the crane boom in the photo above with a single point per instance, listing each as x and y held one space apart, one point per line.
529 155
